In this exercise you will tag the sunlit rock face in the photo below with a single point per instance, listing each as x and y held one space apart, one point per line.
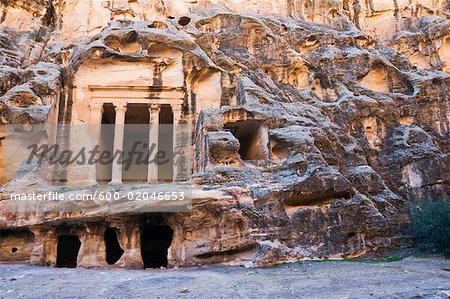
316 122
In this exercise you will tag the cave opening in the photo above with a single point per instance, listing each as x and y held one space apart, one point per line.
113 250
155 242
253 137
67 251
184 21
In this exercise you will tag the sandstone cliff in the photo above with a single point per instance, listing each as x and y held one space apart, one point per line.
349 99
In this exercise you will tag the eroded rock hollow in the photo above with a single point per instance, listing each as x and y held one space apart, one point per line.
316 123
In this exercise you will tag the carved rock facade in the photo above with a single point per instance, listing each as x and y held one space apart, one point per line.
317 122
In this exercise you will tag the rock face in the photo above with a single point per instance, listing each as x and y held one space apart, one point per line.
317 122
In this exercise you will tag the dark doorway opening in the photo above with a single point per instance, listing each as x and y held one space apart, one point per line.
113 250
67 251
155 242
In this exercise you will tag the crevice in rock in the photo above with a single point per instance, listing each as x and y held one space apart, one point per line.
224 255
317 199
49 19
3 16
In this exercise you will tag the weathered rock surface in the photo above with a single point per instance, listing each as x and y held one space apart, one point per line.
339 109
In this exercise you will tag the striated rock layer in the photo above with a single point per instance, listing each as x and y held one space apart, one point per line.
317 122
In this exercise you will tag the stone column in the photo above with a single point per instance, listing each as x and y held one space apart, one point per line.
121 109
129 238
92 251
85 137
95 121
154 110
45 247
176 110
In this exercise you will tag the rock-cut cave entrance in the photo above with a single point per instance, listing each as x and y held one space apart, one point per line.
113 250
253 138
155 242
67 251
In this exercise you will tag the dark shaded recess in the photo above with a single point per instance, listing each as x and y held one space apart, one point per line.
15 232
247 134
324 81
67 251
312 38
166 143
19 233
113 250
136 134
402 85
69 106
183 21
155 242
62 104
193 103
50 15
132 37
317 198
227 253
106 143
351 235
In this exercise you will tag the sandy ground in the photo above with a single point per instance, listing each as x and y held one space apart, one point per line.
410 278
